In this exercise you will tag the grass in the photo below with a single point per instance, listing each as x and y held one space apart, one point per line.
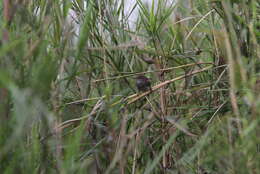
69 104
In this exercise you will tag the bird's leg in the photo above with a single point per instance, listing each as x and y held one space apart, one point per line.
150 88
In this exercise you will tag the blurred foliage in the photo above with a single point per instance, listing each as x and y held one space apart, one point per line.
68 100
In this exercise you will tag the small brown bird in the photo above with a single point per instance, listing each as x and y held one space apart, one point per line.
143 83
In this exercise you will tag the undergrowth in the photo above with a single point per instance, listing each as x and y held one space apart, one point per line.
69 104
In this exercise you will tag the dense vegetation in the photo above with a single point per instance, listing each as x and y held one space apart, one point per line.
69 104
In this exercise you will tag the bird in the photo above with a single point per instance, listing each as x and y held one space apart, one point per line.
143 83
